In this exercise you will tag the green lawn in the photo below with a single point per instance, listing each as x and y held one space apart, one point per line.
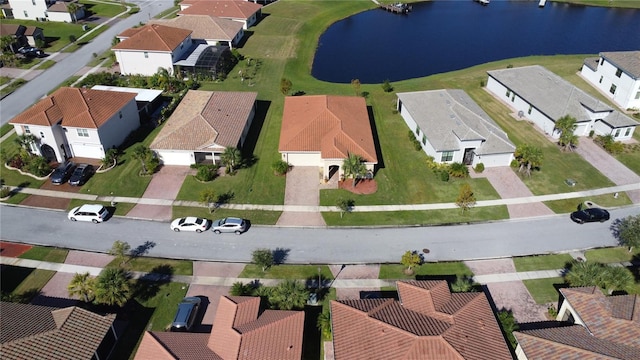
11 87
543 290
4 129
430 217
13 177
56 33
157 265
121 208
611 255
631 158
35 281
310 272
541 262
570 205
4 80
44 253
103 9
396 271
256 217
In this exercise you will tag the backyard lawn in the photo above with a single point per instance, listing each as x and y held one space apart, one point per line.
544 291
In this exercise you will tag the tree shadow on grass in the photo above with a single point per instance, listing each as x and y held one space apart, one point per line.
148 285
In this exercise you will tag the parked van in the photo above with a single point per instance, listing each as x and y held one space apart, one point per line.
89 212
186 315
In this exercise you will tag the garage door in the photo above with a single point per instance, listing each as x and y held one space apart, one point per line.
307 159
87 150
168 157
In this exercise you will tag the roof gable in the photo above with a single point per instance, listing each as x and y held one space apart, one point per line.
153 37
75 107
223 8
332 125
627 61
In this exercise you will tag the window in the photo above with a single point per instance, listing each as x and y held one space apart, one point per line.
530 108
508 92
601 61
619 72
41 135
417 130
638 95
617 133
26 14
33 2
446 156
120 114
613 88
626 133
146 55
513 97
424 140
26 130
83 132
600 81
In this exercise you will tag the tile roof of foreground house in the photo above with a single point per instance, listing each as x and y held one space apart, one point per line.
628 61
611 328
41 332
203 26
428 322
63 6
153 37
206 119
333 125
240 331
554 96
75 107
450 116
222 8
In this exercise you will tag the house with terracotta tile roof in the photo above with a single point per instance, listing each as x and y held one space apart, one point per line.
45 10
322 130
451 127
542 97
74 122
241 330
145 49
203 125
209 29
41 332
590 326
427 322
244 12
617 75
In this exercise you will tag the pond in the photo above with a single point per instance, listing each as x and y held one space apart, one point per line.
448 35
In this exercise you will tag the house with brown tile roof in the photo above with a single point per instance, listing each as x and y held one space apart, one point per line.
241 330
203 125
590 326
322 130
73 122
41 332
244 12
209 29
145 49
427 322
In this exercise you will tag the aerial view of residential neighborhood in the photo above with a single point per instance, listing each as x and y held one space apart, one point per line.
319 179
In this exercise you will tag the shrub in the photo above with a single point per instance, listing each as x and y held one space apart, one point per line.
479 168
514 163
72 38
386 86
151 163
206 172
458 170
5 191
443 175
110 158
280 167
591 133
38 166
610 144
416 143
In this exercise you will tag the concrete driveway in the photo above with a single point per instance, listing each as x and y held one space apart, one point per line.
609 166
302 188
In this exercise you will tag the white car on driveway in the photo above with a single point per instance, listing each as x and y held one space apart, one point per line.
190 223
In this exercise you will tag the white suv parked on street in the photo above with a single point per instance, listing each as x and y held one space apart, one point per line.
89 212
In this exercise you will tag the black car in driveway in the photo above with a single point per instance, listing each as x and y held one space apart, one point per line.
81 174
62 173
31 52
590 215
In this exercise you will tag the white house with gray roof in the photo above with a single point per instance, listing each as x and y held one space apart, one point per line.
617 75
542 97
451 127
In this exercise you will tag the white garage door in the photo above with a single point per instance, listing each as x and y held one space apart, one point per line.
87 150
308 159
168 157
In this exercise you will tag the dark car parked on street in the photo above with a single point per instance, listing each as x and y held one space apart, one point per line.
31 52
80 176
590 215
62 173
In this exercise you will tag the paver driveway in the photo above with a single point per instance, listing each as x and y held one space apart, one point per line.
166 184
302 188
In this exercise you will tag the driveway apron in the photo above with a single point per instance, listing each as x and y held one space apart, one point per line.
508 185
302 188
609 166
166 184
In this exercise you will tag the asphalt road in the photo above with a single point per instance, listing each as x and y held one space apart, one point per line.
322 246
34 90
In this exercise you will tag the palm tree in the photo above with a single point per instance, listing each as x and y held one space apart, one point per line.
529 157
72 7
289 294
231 157
141 153
83 286
121 250
585 274
25 141
353 167
566 125
113 287
617 278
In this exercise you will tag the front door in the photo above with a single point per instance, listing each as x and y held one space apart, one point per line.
468 156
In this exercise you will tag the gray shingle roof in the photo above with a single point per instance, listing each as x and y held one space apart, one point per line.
448 115
627 61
